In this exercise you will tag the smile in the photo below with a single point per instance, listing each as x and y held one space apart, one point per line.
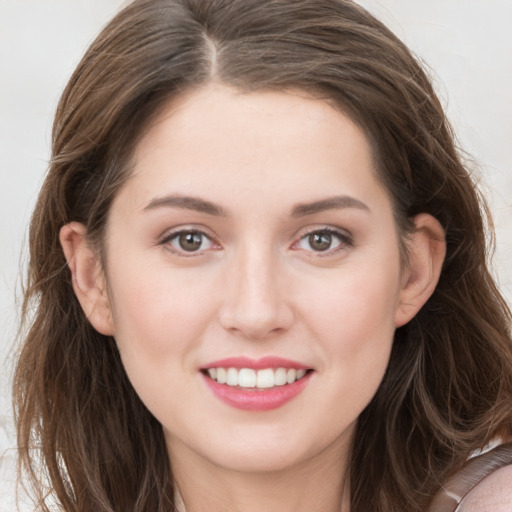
248 378
259 385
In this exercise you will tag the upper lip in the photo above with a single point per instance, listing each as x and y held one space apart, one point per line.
256 364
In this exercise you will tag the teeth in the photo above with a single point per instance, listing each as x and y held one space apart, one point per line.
247 378
221 375
280 377
232 378
265 378
261 379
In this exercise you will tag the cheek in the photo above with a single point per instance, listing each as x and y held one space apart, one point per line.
353 321
157 312
359 336
158 327
356 307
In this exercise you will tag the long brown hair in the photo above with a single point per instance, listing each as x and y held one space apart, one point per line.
85 439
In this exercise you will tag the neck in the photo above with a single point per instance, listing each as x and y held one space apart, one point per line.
320 484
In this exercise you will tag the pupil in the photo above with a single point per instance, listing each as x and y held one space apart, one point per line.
320 241
190 241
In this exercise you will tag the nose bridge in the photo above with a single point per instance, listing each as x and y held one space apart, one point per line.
255 302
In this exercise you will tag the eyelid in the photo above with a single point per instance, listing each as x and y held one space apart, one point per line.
345 237
172 233
346 240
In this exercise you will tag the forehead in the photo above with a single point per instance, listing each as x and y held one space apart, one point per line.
218 121
225 145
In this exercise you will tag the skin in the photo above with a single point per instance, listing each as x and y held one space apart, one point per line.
255 288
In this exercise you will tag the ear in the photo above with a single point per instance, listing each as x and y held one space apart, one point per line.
426 253
88 277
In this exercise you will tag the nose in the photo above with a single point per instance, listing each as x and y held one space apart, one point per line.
255 302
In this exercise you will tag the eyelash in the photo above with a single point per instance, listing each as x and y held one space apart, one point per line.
345 241
168 239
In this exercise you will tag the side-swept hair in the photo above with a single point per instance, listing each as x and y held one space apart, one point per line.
84 436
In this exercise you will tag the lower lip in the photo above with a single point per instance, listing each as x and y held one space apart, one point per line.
257 400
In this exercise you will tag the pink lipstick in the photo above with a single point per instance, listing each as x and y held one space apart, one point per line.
256 385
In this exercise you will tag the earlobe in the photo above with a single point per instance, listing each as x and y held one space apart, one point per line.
426 251
87 276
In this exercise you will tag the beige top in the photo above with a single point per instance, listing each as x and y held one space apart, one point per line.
472 473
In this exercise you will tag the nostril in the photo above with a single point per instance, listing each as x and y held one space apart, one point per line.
257 322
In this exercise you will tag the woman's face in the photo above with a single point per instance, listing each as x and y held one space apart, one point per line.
253 235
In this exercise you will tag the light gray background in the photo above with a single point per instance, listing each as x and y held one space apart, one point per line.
468 44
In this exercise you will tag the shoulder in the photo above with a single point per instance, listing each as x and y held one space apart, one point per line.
493 494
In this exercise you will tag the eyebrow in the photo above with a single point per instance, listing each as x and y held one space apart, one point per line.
300 210
187 203
330 203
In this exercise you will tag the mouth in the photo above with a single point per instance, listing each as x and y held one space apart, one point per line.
259 385
251 379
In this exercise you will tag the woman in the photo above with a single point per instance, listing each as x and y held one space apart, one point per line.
260 274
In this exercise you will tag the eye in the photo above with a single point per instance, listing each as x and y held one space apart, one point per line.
324 240
188 241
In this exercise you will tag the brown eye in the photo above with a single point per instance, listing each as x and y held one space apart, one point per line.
190 241
187 242
320 241
326 240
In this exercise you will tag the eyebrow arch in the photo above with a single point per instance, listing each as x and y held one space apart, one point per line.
187 203
330 203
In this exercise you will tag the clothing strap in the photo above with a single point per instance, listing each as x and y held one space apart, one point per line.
472 473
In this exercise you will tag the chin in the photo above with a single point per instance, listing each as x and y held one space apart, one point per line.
256 461
263 454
